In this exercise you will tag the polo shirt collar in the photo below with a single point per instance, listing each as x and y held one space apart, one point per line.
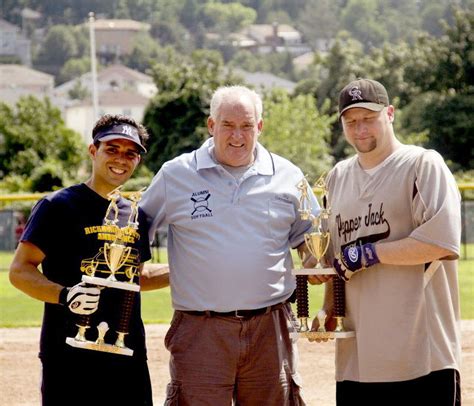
263 162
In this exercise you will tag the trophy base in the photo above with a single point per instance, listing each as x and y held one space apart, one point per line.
314 271
103 347
322 335
93 280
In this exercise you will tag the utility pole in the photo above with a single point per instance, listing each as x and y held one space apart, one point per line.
95 97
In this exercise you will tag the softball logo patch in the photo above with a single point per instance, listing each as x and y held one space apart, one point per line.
201 202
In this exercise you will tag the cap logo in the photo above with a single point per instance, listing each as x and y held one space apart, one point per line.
127 130
355 93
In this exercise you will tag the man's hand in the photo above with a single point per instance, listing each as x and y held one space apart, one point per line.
81 298
354 259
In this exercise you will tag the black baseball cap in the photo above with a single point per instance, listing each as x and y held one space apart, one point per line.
363 93
120 131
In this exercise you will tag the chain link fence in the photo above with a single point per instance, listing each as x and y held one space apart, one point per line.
14 210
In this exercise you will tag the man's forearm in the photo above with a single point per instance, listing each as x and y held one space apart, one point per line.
409 251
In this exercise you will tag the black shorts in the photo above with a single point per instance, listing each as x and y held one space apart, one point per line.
440 388
84 377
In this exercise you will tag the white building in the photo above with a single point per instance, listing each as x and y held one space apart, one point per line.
19 80
121 90
13 43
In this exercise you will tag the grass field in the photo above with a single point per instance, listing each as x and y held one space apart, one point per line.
19 310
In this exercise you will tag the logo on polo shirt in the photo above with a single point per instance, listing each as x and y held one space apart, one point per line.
201 204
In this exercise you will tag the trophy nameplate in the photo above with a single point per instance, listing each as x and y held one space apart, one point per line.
115 266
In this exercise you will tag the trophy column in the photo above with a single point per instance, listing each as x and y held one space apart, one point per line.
124 320
302 301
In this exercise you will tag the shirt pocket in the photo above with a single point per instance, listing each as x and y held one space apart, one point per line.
281 218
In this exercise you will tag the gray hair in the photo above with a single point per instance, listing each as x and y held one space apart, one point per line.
225 93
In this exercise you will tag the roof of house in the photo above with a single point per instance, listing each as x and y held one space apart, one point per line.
121 98
125 72
104 79
19 75
6 26
109 24
265 80
304 60
267 30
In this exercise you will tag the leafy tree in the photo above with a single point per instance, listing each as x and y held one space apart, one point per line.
278 63
319 21
74 68
227 18
78 91
38 152
59 46
295 129
361 19
176 116
145 53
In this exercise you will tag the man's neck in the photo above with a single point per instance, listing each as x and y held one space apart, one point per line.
100 190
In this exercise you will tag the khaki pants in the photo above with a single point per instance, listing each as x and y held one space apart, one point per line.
220 361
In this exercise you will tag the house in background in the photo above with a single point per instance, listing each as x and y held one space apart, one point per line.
79 114
263 81
115 38
273 38
121 90
304 61
13 44
19 80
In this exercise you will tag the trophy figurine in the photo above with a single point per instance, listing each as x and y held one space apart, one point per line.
114 266
317 242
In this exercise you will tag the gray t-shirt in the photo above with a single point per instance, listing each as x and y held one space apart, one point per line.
403 330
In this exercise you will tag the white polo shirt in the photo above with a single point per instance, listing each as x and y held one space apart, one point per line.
228 240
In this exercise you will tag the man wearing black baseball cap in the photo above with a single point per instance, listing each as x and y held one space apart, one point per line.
395 242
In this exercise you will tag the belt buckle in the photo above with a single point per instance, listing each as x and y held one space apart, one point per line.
237 315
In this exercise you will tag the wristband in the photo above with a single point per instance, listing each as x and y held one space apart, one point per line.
63 296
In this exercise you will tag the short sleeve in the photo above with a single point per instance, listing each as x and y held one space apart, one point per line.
436 204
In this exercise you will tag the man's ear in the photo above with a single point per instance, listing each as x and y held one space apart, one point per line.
210 125
92 150
260 126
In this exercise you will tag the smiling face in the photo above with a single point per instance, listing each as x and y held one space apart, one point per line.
235 131
113 162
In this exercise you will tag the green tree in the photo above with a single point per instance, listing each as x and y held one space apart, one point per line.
145 53
59 46
176 116
37 153
74 68
295 129
319 21
227 18
362 19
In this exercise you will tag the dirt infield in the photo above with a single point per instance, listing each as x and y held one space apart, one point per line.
20 367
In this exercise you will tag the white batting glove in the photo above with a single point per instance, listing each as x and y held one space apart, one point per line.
81 298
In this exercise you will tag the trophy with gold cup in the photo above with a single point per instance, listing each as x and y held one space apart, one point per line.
115 266
317 241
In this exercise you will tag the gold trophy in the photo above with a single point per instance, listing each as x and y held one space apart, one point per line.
114 266
317 242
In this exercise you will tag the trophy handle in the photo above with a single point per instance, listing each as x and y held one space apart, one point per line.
309 245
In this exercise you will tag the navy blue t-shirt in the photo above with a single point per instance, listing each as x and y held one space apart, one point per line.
68 227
